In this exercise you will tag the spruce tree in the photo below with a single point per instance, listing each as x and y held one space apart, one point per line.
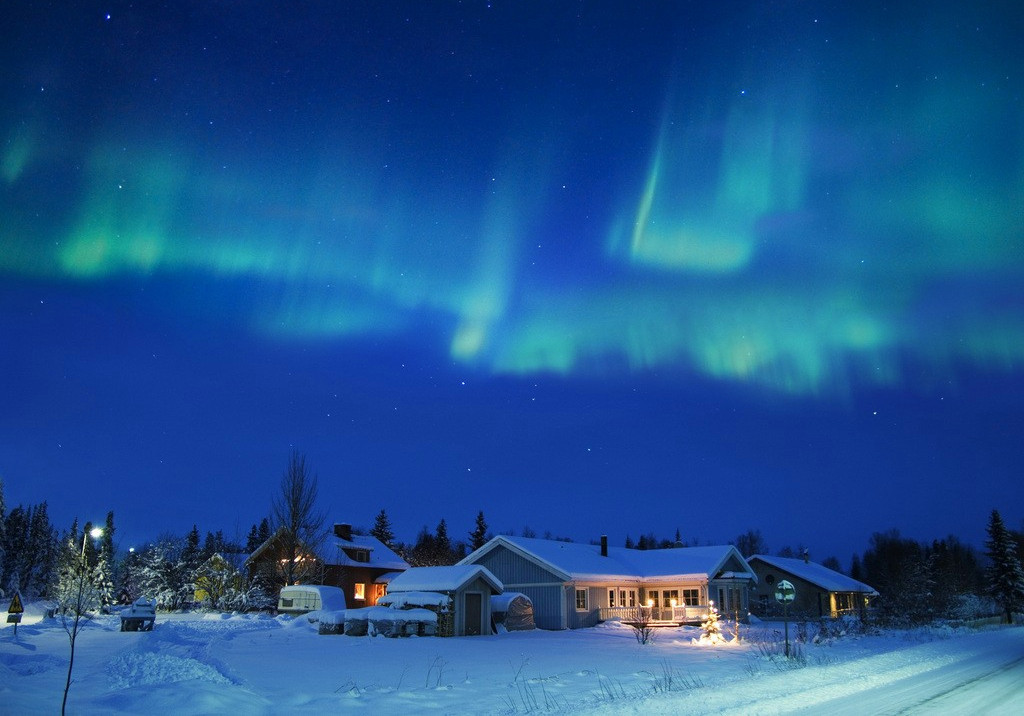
3 532
443 544
382 529
478 537
41 572
1005 576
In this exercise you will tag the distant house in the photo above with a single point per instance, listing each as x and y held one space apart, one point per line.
470 588
361 565
820 591
578 585
214 579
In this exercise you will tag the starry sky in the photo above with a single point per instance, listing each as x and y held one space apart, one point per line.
592 269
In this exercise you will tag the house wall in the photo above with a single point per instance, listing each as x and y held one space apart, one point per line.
347 577
544 589
811 601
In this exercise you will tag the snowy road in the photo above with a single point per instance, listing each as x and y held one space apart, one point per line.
982 681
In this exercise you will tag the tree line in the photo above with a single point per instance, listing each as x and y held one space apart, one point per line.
917 581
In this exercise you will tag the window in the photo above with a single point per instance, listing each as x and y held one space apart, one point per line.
359 592
653 598
671 597
581 600
611 597
691 597
632 598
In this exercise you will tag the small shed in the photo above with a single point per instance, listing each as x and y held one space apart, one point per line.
470 588
512 611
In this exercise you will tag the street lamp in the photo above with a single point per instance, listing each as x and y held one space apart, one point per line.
95 533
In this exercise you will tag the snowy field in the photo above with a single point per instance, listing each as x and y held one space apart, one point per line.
247 664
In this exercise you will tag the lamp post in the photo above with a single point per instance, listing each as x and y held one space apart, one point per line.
95 533
78 610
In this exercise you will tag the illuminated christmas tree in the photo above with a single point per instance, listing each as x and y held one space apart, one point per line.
711 627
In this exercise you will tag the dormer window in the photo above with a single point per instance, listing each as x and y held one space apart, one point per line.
361 555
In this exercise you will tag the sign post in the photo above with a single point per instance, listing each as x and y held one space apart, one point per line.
15 611
785 593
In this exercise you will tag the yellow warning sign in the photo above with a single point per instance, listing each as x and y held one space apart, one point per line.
16 607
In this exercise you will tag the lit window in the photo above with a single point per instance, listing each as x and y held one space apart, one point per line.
581 600
611 597
360 591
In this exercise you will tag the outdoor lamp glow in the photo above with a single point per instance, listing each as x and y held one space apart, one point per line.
95 533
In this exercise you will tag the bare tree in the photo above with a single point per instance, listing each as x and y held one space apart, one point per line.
300 525
750 543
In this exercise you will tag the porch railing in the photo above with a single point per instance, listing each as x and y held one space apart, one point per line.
679 614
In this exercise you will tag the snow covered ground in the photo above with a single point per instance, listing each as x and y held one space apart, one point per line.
248 664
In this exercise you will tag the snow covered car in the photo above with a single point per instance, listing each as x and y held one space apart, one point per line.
139 616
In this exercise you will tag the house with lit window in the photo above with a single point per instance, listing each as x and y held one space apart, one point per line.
820 591
576 585
361 565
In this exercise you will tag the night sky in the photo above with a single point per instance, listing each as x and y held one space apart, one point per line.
589 268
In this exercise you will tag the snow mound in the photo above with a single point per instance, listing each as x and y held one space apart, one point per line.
146 669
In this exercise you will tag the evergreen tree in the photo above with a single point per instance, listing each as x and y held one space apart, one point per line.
157 576
382 529
1005 576
127 585
252 541
629 542
107 538
478 537
41 568
3 536
424 551
15 546
442 544
711 627
265 531
856 568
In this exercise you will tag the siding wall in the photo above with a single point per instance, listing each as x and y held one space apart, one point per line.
541 586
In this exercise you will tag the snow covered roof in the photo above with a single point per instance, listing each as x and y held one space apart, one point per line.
380 556
584 562
442 579
817 574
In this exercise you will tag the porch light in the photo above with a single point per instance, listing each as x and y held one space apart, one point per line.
673 603
650 603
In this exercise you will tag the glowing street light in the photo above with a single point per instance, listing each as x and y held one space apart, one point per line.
95 533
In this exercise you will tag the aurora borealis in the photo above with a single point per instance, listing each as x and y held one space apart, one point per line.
532 249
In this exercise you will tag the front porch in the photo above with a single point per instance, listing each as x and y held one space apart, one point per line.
655 616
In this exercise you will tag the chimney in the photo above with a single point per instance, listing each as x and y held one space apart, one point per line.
604 545
343 530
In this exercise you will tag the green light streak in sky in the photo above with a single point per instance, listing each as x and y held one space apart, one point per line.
686 278
681 226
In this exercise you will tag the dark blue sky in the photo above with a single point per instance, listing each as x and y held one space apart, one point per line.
590 269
